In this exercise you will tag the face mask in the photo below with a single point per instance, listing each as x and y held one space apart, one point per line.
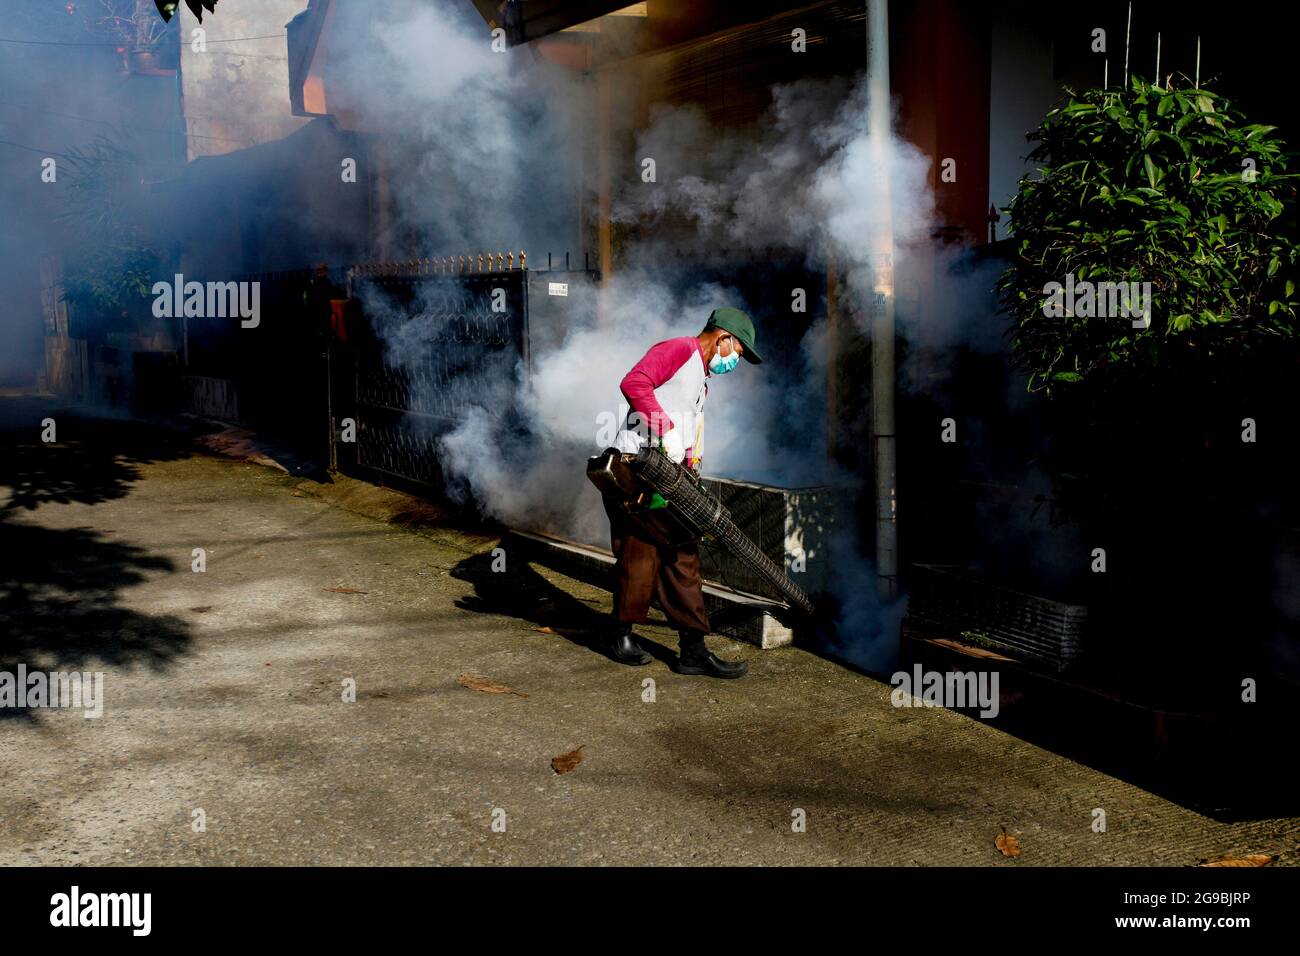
722 364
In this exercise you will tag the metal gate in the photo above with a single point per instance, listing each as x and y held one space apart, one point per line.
427 343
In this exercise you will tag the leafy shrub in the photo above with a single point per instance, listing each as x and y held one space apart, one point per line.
1144 428
1157 185
110 260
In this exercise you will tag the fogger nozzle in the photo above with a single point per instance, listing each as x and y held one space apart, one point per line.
694 508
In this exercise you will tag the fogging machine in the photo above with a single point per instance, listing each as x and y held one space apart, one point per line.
668 504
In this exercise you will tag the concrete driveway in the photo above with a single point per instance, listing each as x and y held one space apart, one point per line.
226 737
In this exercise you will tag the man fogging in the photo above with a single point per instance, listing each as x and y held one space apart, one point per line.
665 391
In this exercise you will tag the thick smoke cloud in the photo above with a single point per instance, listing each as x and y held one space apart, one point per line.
472 138
483 150
468 170
482 154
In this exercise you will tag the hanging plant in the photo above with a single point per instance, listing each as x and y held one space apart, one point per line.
1160 186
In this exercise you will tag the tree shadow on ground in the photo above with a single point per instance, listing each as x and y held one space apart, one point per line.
91 460
61 588
520 591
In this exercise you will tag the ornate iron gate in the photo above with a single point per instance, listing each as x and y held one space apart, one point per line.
427 344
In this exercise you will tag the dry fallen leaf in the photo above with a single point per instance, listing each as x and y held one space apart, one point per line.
343 590
1008 844
544 630
486 686
566 762
1253 859
203 609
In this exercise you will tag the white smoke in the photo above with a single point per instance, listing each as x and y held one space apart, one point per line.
488 147
471 137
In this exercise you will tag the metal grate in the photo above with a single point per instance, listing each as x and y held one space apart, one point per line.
435 340
435 346
1023 625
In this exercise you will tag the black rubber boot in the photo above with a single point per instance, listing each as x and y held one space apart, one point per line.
696 659
624 648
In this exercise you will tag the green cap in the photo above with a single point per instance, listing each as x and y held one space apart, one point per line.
739 325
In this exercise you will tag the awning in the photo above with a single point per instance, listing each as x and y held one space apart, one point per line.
527 20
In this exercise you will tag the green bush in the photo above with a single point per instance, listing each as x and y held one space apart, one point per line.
1143 431
1152 184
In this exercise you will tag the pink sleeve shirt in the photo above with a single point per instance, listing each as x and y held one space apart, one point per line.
665 390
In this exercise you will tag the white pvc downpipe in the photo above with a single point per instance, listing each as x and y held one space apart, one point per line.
881 251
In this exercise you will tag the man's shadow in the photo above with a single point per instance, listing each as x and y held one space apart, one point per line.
520 591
